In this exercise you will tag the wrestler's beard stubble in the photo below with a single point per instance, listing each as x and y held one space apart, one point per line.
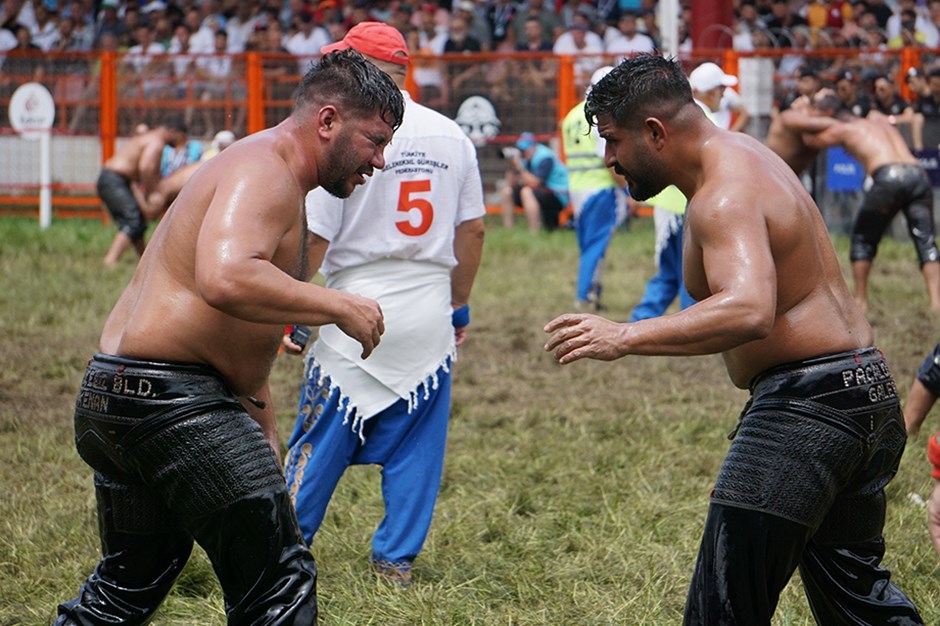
340 167
646 177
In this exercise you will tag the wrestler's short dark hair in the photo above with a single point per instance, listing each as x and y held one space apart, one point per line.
639 87
827 101
345 78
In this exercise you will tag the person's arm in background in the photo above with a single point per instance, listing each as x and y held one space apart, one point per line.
527 178
150 177
917 131
923 393
731 100
468 248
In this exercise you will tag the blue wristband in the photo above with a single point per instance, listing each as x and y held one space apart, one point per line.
461 317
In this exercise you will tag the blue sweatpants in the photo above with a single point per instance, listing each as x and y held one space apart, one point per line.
408 446
594 229
663 288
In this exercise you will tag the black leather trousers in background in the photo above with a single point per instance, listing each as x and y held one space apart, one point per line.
803 486
178 459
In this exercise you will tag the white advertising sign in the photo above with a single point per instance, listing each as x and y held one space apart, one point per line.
32 110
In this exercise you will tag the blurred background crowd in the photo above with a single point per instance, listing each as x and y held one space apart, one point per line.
165 39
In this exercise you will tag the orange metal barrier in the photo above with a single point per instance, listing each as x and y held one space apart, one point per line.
102 96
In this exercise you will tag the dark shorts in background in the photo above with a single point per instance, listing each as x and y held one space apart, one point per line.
115 190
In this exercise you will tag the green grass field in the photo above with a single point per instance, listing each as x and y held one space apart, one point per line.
572 495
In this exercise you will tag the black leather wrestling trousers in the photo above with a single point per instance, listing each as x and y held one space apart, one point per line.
177 458
803 485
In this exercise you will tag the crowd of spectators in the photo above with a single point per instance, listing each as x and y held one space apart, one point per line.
167 41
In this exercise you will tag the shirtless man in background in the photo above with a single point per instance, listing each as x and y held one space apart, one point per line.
788 142
174 413
896 182
126 179
168 188
822 434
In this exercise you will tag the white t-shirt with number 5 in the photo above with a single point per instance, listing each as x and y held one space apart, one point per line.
408 210
393 240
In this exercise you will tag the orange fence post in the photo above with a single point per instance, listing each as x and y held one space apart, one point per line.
910 59
108 104
255 121
567 89
729 61
410 85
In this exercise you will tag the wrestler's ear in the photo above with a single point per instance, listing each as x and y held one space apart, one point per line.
327 120
655 132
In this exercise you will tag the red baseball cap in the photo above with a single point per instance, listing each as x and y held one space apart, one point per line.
375 39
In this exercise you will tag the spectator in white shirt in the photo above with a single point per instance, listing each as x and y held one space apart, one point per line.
242 24
581 41
45 33
145 60
307 42
629 40
220 84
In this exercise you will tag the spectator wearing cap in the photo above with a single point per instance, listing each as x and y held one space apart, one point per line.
582 42
712 90
853 99
307 41
536 181
927 113
627 39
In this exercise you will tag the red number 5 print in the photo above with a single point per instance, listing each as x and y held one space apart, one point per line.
407 202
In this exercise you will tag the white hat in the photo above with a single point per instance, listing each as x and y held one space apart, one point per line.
707 76
154 5
223 139
600 73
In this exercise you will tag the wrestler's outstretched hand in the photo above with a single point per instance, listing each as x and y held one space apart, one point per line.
578 336
933 516
362 320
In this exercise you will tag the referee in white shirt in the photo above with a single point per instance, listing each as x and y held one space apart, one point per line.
411 238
